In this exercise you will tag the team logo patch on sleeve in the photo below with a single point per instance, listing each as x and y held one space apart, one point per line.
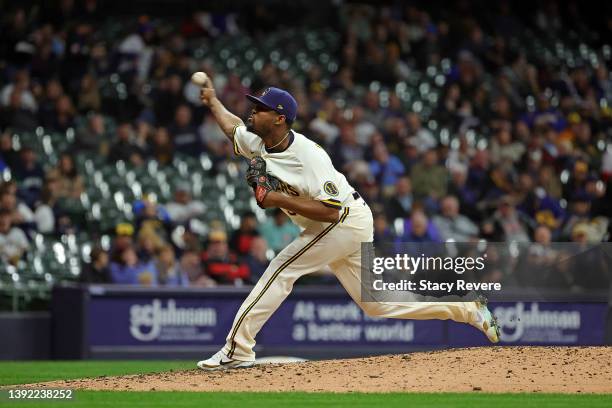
330 188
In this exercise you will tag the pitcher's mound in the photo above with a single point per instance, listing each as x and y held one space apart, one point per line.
485 369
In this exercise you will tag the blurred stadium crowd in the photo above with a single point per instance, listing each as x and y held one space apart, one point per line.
476 123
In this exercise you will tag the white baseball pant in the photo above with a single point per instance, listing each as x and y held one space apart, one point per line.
339 246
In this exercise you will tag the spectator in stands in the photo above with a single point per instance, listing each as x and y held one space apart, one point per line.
400 204
589 268
323 127
580 214
537 205
418 228
21 215
13 241
152 215
15 115
148 245
383 234
278 231
221 264
580 211
191 264
93 138
577 180
364 127
549 181
9 155
22 84
503 148
257 260
89 97
126 268
185 136
242 239
44 213
184 207
386 169
506 224
168 269
538 268
467 194
29 173
70 182
143 135
56 212
188 241
478 170
124 147
64 115
124 237
48 102
161 147
345 150
97 271
429 179
452 225
137 159
423 138
599 193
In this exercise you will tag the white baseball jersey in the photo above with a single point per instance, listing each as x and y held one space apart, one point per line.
304 169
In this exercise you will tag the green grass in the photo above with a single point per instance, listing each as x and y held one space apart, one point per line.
23 372
94 399
29 372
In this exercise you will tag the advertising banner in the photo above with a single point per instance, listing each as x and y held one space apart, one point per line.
341 322
158 320
539 323
166 320
191 322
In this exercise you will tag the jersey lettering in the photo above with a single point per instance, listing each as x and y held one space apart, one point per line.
287 189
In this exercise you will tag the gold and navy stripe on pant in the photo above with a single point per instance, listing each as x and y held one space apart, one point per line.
344 215
278 271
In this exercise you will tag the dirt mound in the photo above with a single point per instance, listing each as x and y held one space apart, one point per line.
486 369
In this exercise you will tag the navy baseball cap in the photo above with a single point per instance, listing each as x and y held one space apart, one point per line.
278 100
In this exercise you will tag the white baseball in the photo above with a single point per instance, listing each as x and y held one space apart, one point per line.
199 78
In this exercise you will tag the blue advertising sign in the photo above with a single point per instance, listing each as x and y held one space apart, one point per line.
539 323
320 321
196 322
159 321
341 322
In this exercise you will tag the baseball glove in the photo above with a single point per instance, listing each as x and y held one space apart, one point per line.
260 181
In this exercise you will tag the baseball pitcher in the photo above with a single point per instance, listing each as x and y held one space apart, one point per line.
291 172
